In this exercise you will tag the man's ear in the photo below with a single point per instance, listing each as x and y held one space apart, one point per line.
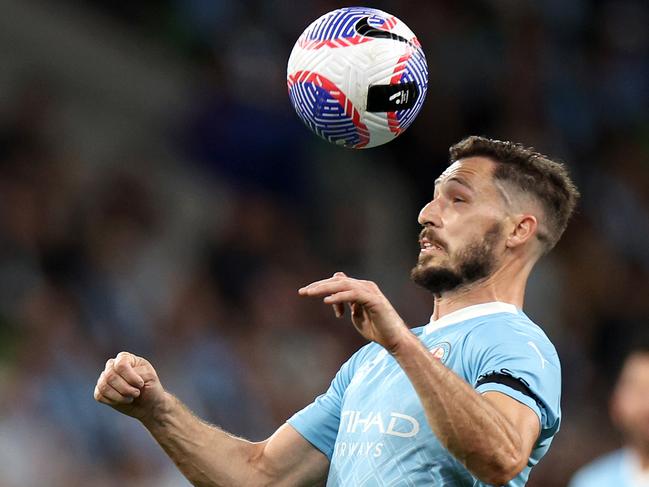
525 228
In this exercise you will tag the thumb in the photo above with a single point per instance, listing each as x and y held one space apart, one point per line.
146 371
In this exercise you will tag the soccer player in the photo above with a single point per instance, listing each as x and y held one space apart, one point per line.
629 466
469 399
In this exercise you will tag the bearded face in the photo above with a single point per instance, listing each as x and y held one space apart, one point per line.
441 269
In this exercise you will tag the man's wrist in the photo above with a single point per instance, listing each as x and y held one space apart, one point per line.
403 343
160 413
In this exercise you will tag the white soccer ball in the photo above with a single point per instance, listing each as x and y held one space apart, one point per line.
357 77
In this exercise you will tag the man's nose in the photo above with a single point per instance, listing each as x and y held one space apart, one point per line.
430 214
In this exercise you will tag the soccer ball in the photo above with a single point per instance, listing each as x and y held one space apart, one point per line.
357 77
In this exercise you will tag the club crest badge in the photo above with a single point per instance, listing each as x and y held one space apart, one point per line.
441 351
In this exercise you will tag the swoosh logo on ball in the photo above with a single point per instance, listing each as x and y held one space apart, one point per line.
364 28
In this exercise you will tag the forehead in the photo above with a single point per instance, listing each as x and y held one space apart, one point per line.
474 171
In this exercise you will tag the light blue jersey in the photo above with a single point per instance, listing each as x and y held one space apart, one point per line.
370 422
619 469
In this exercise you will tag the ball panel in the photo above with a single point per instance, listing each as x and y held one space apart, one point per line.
353 69
326 110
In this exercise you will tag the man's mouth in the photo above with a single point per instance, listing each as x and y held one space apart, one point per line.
426 245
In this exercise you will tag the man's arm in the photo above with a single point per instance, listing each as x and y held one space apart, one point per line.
205 454
491 434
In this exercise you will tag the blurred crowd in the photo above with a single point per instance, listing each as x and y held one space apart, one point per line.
193 260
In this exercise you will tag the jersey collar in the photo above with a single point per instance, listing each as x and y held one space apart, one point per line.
468 313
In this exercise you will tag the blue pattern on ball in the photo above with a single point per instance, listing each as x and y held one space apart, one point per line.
417 71
340 23
322 113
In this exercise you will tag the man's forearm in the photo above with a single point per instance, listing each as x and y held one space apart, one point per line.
206 455
472 429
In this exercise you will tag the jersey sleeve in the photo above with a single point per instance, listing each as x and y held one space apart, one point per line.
521 362
318 422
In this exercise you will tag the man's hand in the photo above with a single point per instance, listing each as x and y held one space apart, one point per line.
371 312
130 385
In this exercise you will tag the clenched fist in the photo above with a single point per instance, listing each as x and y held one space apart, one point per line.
130 385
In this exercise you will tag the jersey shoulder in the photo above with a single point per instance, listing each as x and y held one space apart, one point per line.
509 328
369 351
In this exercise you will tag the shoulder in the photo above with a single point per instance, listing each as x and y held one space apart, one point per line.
605 470
508 341
364 354
506 322
509 328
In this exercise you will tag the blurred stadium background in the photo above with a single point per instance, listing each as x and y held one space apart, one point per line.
159 195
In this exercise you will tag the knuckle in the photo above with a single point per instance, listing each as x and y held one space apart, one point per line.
121 366
122 359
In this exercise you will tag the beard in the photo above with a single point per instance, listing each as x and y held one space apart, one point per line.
475 261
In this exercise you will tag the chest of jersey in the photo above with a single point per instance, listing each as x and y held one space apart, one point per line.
383 429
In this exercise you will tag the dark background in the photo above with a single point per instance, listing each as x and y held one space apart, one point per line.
159 195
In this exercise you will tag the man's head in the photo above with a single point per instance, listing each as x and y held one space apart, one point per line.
630 401
495 201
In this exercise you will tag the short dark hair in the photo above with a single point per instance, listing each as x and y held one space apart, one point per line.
533 173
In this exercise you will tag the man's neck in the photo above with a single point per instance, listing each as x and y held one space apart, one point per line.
503 286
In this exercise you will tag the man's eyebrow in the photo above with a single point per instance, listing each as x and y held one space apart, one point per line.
458 180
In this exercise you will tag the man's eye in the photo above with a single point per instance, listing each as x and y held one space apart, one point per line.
457 199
